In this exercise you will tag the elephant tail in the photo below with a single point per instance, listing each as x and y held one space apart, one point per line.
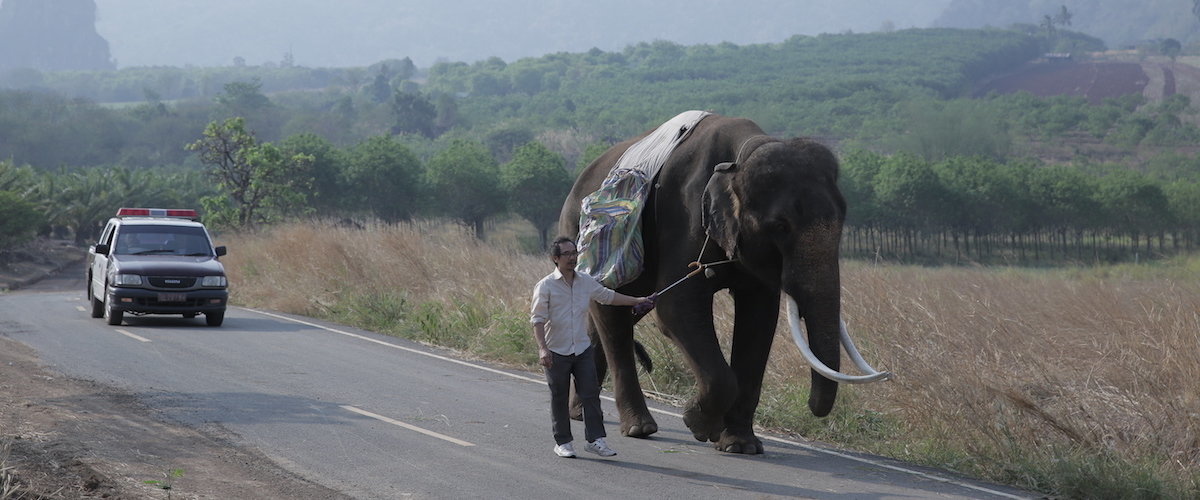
643 356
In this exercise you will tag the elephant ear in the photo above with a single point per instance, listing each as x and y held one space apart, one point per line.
721 207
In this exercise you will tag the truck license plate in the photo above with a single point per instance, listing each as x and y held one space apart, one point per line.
172 297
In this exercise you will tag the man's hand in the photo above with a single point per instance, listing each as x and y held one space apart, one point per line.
645 304
544 358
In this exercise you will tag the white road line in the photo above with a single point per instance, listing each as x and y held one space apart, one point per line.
394 346
130 335
410 427
80 308
798 444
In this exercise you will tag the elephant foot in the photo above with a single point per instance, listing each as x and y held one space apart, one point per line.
639 427
745 443
704 427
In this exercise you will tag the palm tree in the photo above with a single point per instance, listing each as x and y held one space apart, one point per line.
1048 25
1063 18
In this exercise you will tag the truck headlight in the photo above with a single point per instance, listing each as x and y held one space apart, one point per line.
213 281
128 280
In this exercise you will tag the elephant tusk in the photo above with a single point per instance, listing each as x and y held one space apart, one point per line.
871 374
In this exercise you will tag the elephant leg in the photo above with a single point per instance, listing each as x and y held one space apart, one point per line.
576 409
614 327
755 316
690 327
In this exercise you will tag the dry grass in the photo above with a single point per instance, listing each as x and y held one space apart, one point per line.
416 280
1007 374
8 477
304 268
1006 365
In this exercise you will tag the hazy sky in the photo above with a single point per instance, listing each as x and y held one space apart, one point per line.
360 32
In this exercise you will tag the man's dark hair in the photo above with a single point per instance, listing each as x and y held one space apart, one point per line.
556 247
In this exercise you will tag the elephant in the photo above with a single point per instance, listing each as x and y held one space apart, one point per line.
770 207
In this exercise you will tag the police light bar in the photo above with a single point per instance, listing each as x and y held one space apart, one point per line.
158 212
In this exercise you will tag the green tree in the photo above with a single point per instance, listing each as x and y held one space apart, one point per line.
381 88
257 182
909 189
83 199
383 177
979 197
243 98
246 100
502 141
413 113
489 83
447 113
856 181
527 79
1048 26
536 183
1133 205
16 179
404 68
1066 198
1063 17
1183 200
328 166
1167 166
19 220
465 180
1170 48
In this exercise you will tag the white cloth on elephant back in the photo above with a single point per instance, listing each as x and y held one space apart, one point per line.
610 245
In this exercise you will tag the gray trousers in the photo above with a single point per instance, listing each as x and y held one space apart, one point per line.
558 377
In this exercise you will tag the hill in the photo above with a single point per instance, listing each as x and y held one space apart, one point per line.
51 35
1120 23
362 32
1100 76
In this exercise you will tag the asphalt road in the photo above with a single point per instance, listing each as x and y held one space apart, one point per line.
378 417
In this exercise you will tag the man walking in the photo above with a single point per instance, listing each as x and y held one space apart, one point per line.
559 317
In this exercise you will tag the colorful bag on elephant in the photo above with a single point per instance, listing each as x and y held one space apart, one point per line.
610 244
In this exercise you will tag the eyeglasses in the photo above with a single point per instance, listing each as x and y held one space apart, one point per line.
573 253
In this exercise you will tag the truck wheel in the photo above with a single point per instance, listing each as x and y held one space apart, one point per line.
112 315
97 306
214 318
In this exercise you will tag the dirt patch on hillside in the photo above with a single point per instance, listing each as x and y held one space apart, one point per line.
1095 81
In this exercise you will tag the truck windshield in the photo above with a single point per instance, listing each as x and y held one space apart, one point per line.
162 240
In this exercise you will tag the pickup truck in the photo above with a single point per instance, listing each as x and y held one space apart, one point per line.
156 261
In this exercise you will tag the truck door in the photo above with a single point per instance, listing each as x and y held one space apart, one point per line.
100 261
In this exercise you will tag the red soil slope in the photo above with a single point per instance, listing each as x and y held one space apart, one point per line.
1093 80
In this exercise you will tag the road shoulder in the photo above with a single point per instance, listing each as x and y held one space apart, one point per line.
68 438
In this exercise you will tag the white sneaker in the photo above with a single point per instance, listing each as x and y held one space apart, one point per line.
565 450
599 447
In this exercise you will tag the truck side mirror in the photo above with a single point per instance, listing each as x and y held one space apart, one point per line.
101 249
221 250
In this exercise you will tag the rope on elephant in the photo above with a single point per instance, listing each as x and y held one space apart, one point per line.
696 267
610 245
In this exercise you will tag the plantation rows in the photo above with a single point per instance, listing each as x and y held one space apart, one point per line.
975 209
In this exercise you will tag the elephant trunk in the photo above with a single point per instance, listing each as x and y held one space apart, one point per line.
822 323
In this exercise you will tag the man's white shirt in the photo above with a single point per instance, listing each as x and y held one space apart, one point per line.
563 309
